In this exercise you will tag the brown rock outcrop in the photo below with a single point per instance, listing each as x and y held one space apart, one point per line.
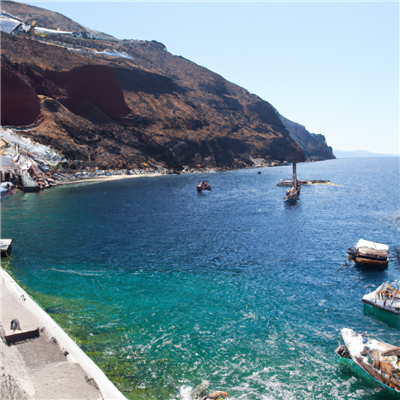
142 106
19 102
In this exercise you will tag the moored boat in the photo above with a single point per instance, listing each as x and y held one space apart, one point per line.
6 247
203 186
380 360
6 187
371 254
293 193
384 304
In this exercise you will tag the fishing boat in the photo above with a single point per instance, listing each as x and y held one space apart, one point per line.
203 186
369 254
293 193
384 304
380 360
6 247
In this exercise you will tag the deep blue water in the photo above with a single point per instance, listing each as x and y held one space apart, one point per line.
164 287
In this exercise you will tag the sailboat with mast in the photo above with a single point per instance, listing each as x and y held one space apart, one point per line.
293 193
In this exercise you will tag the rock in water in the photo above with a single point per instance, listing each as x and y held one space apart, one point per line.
200 392
15 325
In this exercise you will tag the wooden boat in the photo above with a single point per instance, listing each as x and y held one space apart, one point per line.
384 304
6 247
380 360
367 253
293 193
203 186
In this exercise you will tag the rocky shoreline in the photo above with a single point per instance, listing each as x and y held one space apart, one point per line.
69 177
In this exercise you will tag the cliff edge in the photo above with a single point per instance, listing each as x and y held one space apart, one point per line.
314 146
108 103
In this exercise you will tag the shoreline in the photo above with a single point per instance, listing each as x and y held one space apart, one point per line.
51 364
105 178
151 175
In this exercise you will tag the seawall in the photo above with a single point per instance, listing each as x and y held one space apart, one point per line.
50 366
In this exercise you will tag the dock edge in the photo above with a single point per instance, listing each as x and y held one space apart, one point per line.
107 389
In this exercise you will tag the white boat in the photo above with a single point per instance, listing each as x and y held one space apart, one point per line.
367 253
6 247
384 304
6 187
386 297
380 360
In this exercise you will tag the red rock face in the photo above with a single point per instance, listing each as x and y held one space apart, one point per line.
153 109
96 84
19 103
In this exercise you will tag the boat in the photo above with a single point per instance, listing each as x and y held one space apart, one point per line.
369 254
380 360
6 187
293 193
6 247
203 186
384 304
289 182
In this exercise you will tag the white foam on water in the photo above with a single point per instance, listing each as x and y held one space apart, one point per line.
82 273
185 392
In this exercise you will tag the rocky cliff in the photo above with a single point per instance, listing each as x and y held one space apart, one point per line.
109 103
313 145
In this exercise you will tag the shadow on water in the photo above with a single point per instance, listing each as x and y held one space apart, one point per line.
7 195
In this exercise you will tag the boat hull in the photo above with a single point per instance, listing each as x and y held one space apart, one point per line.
368 263
371 263
348 362
6 250
388 317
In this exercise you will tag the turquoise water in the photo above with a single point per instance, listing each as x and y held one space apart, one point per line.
164 287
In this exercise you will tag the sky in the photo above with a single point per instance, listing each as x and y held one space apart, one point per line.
330 66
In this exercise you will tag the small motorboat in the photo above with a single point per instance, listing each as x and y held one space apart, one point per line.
370 254
6 247
380 360
203 186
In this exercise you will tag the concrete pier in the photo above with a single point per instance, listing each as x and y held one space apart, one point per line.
48 366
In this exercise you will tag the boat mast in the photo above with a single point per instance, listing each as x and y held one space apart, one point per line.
294 176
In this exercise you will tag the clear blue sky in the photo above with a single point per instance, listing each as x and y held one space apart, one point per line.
333 67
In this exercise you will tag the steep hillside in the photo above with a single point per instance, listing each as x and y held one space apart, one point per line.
314 145
125 104
45 18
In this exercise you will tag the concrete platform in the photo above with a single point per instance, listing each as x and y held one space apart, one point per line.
50 366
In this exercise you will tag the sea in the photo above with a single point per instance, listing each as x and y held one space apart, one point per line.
164 287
